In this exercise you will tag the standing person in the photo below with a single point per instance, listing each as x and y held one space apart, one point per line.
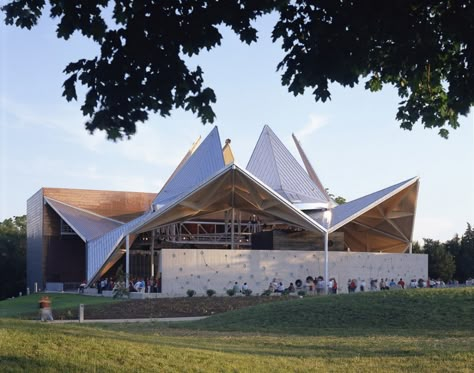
362 285
46 313
401 283
334 286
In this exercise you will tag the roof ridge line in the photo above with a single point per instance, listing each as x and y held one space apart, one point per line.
86 211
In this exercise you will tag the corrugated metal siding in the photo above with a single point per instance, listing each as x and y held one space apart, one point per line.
99 249
86 224
34 236
272 163
204 162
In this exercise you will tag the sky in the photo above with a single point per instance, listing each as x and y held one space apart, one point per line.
353 141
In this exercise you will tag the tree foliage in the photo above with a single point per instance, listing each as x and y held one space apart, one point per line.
423 48
462 249
441 263
12 256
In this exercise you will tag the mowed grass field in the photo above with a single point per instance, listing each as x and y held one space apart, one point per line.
396 331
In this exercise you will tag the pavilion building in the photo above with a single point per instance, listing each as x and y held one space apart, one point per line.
215 222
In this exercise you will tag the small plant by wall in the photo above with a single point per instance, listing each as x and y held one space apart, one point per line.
190 292
301 293
210 292
230 292
266 293
247 292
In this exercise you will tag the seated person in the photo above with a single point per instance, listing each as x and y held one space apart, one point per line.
291 288
236 288
82 286
280 288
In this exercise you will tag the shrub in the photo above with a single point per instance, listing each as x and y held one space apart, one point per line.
285 292
210 292
120 289
301 293
247 292
190 292
266 293
230 292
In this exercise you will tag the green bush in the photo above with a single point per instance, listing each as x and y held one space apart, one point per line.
301 293
247 292
190 292
120 289
230 292
266 293
210 292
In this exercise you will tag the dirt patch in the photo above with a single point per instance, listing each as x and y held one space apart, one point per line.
165 307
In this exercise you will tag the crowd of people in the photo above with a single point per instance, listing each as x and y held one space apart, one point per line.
317 285
140 285
313 285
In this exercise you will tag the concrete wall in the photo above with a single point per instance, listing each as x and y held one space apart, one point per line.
197 269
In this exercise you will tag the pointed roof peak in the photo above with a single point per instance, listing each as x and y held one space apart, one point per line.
309 168
204 161
272 163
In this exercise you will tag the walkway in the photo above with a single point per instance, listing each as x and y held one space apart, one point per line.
163 319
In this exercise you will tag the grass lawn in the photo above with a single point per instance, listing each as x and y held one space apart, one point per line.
27 306
362 332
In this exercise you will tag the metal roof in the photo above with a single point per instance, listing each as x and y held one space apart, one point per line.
348 211
101 248
273 186
309 168
86 224
272 163
203 162
231 187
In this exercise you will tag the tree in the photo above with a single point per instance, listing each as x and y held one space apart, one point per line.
339 200
416 248
465 258
12 256
423 48
440 262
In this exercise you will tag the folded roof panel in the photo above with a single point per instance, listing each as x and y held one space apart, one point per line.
203 162
272 163
86 224
349 210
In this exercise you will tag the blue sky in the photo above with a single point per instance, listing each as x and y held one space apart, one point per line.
353 141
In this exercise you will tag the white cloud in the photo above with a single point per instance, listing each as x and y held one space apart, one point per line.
315 123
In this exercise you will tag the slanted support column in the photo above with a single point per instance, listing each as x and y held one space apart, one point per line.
410 247
127 259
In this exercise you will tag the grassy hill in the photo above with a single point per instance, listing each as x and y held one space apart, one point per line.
405 331
415 310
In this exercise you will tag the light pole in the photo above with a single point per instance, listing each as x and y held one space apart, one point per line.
327 219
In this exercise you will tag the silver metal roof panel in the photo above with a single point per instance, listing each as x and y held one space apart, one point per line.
86 224
272 163
204 162
101 248
349 210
